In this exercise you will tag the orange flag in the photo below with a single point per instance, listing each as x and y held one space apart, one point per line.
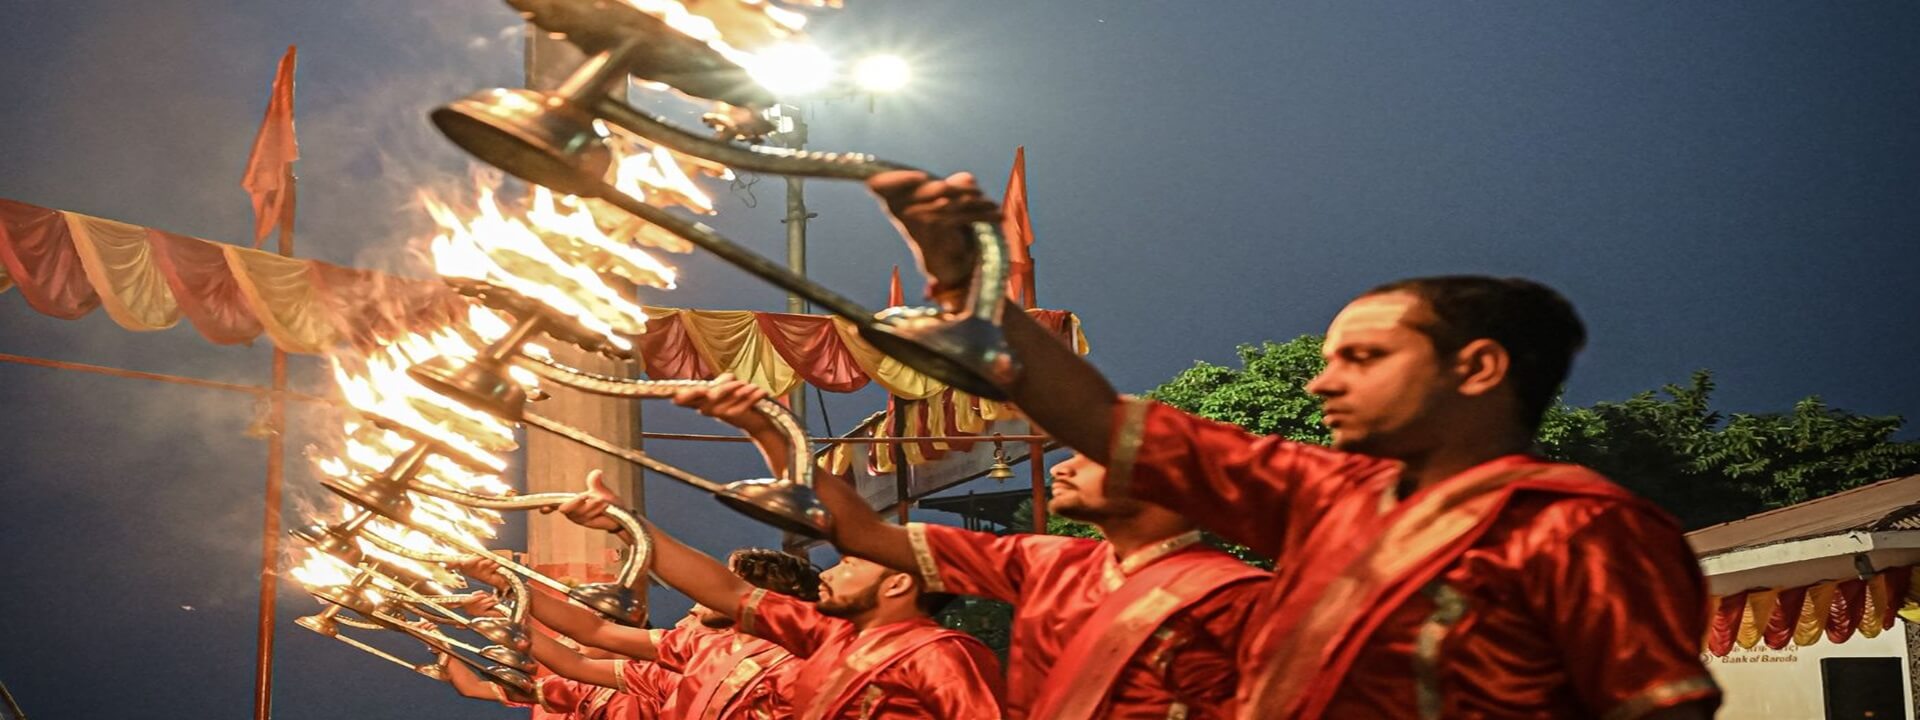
895 296
1019 229
269 178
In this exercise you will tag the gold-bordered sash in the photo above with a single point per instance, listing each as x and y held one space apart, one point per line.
1092 660
744 666
598 698
865 660
1423 527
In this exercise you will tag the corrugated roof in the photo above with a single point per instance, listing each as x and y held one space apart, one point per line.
1885 505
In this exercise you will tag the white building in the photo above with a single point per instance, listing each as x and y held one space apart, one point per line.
1815 612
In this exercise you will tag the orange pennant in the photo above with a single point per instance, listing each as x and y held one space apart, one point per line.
1018 226
269 178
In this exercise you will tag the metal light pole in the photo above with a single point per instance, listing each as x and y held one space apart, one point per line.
794 129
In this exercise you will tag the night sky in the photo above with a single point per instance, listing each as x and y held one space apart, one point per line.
1715 185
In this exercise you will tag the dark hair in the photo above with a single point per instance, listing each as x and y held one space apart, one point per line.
776 571
933 603
1539 329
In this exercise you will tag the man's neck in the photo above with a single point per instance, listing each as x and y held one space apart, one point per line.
1128 538
883 616
1431 468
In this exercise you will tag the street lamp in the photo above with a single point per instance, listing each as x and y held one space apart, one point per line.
800 71
882 73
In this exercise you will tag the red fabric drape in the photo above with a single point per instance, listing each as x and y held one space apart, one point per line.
951 423
1804 615
1726 623
196 271
1786 614
1058 322
918 424
1899 582
1849 599
233 295
669 354
810 344
37 250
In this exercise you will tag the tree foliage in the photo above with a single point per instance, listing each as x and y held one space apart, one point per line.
1267 395
1706 466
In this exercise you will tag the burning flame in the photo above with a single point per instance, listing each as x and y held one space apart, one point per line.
377 385
383 389
320 570
660 175
513 253
733 29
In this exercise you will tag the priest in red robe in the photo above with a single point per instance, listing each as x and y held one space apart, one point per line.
1429 564
1145 623
868 648
561 698
724 675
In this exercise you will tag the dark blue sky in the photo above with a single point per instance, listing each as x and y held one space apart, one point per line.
1727 186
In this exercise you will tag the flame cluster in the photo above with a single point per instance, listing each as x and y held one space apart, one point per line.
560 251
735 30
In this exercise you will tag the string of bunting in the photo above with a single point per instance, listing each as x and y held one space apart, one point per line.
1834 610
68 264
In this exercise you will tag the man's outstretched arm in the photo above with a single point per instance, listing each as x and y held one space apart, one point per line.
696 575
583 625
856 529
1060 391
690 571
566 663
468 683
859 531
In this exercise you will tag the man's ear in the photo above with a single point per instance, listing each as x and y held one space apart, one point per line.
897 585
1481 366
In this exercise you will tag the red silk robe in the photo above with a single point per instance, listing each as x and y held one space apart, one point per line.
648 683
1057 583
725 675
564 699
1520 588
903 671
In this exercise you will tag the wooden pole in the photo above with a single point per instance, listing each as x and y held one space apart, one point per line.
13 708
276 461
254 390
902 470
1032 285
1037 459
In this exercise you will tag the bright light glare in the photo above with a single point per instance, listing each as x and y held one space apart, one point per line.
792 69
882 73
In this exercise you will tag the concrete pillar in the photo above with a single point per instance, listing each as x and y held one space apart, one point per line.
557 546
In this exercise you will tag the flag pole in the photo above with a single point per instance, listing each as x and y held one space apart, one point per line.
276 468
1033 288
1033 264
277 396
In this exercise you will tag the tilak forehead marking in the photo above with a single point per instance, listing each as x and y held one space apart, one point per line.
1377 312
